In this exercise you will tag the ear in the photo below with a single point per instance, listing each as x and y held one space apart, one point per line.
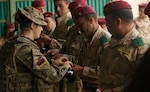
32 26
90 20
119 22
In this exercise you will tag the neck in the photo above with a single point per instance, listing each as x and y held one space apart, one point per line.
126 29
27 34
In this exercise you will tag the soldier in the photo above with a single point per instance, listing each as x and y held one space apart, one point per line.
51 23
45 38
61 8
72 47
9 30
142 75
39 5
147 10
102 23
143 21
88 65
121 57
23 67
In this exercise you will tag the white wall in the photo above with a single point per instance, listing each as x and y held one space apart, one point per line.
134 4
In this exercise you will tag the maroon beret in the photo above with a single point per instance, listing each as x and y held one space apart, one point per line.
116 5
77 3
101 21
38 3
83 2
147 9
82 11
48 14
8 26
142 5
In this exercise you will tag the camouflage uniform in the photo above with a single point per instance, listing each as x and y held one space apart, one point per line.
61 29
89 59
72 47
60 34
25 69
119 60
143 26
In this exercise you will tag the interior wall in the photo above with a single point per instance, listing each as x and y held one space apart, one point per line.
134 4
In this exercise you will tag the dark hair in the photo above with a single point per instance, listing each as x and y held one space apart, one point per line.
124 14
22 20
93 15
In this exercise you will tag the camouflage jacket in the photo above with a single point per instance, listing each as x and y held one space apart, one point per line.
120 59
62 28
25 69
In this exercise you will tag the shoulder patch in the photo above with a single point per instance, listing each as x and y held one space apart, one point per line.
41 62
70 22
103 39
138 42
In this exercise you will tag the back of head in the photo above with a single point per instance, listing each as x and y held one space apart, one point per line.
119 9
142 5
8 25
77 3
82 11
38 4
29 15
101 21
48 14
9 29
147 10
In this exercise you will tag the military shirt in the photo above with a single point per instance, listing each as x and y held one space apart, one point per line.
61 29
143 26
119 60
89 56
33 72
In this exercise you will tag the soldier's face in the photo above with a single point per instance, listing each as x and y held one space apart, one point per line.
141 12
61 7
51 23
83 26
110 24
37 31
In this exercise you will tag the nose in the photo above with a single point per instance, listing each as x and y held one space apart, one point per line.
57 8
42 28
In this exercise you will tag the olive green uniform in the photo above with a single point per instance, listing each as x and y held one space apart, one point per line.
89 56
61 29
120 59
72 48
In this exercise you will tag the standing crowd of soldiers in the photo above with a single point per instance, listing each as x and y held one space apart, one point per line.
76 51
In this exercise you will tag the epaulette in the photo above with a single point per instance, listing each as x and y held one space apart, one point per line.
103 39
70 22
137 42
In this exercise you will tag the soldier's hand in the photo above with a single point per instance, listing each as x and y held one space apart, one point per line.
77 69
68 64
53 51
45 38
57 56
59 61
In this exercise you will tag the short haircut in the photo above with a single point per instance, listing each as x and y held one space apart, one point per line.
93 15
124 14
